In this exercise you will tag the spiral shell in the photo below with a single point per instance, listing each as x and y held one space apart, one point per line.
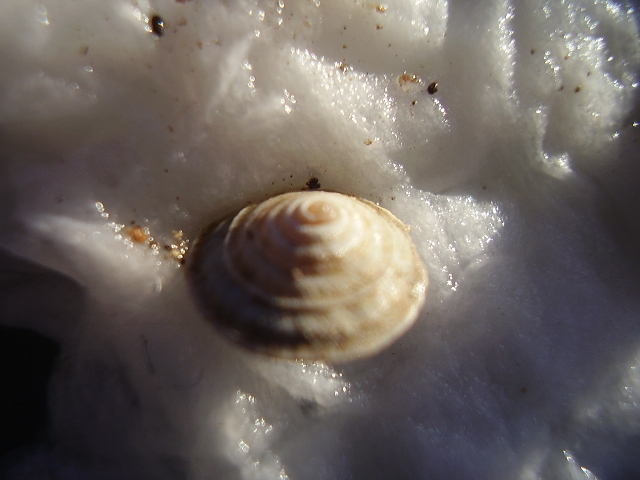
313 275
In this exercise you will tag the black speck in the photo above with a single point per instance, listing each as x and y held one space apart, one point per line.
309 408
157 25
151 369
533 51
313 183
432 88
577 89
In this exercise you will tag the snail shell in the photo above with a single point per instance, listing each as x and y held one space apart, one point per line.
313 275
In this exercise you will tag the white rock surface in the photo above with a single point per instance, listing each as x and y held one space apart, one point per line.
519 177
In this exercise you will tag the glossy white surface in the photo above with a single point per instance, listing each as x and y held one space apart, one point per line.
519 178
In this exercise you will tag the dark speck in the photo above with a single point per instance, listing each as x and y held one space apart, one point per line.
308 408
157 25
313 183
432 88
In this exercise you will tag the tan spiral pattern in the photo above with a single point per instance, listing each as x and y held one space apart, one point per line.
314 275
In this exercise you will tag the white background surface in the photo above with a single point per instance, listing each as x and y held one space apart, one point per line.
519 179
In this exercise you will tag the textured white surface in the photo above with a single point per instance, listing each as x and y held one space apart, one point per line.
519 178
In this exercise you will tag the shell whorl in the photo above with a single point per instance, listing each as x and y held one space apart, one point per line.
313 275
